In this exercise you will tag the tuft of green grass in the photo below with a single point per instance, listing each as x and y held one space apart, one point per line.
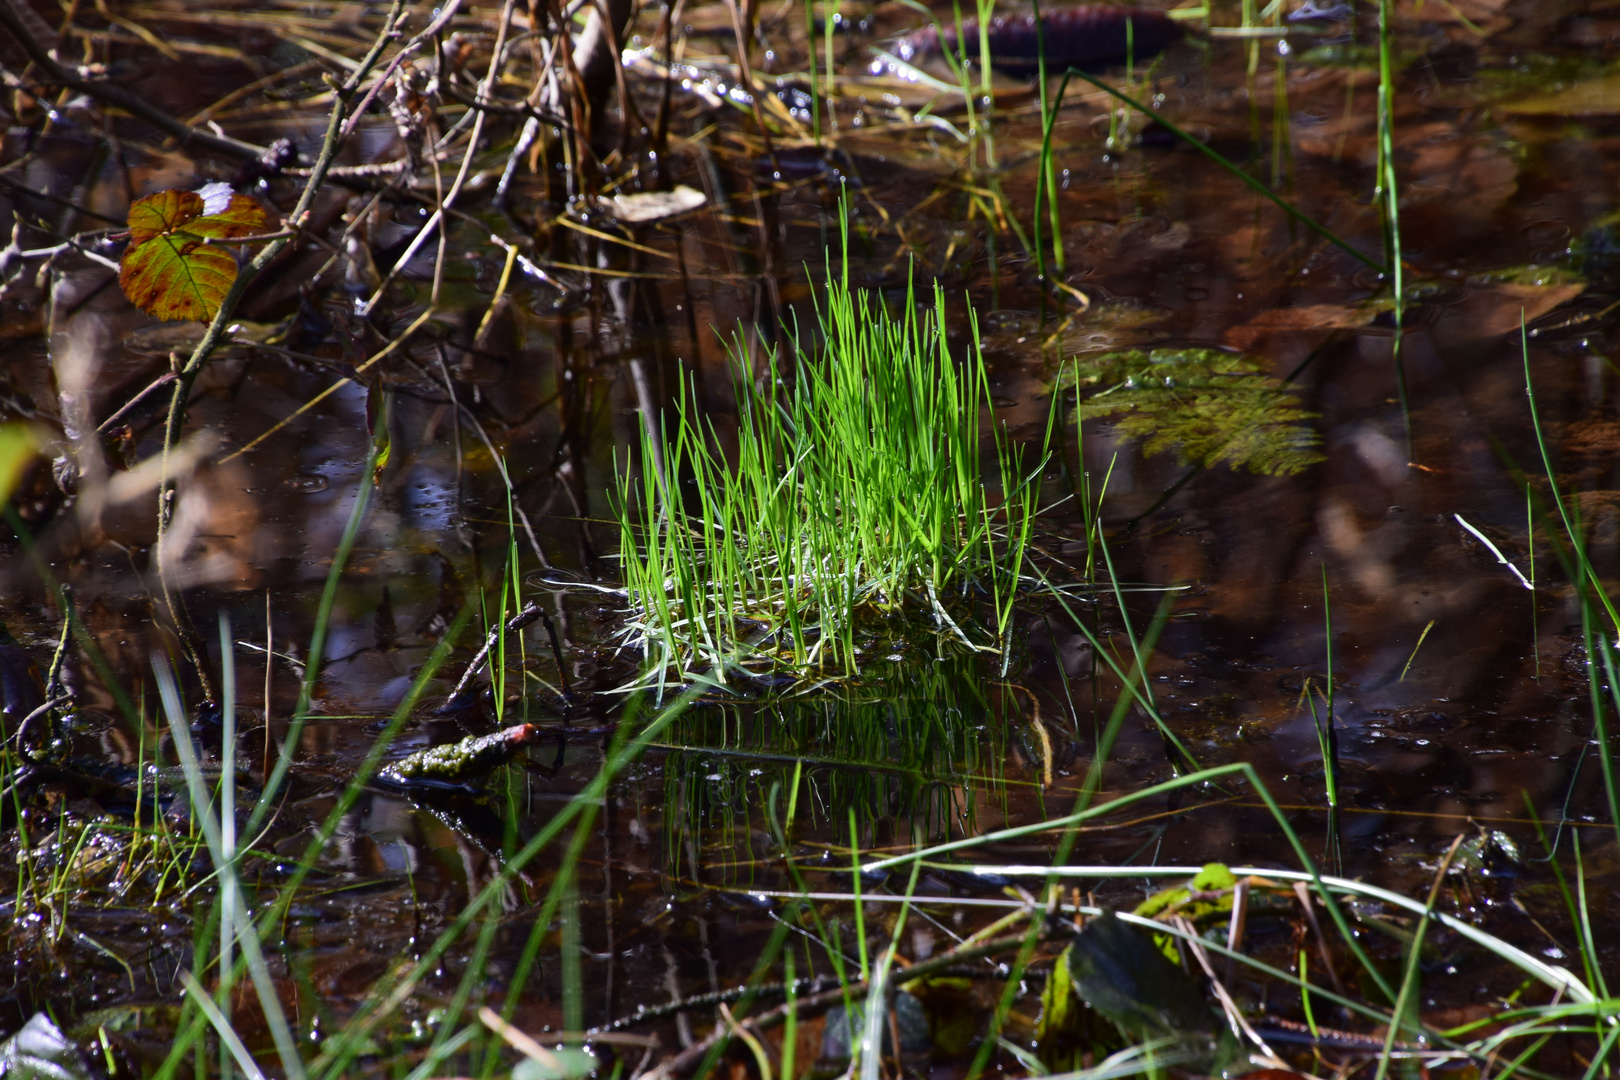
855 501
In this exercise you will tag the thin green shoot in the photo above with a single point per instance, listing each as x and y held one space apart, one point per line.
1589 959
855 880
829 19
1046 184
1246 772
1584 926
472 976
554 901
1600 1060
1387 195
958 63
815 76
268 797
1082 805
190 1028
231 1047
1415 648
877 996
1140 696
1305 993
1530 545
986 9
1327 736
204 815
790 1029
1599 646
227 820
762 968
340 1050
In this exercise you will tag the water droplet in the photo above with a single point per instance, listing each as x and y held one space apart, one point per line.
307 483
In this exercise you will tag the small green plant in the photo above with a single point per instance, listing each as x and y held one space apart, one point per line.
1212 407
856 499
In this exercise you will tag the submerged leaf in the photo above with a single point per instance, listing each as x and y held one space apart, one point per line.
169 270
1118 969
1207 895
1589 97
1212 407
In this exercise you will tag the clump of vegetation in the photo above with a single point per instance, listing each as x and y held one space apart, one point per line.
857 490
1211 407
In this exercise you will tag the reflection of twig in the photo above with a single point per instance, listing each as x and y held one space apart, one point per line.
161 381
216 331
435 222
121 98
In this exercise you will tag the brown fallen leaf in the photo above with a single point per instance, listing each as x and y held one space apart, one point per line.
1307 317
1589 97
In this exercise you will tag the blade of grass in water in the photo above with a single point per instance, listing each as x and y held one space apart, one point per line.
1388 196
1327 736
1046 184
203 815
1587 585
1406 1007
340 1050
1082 803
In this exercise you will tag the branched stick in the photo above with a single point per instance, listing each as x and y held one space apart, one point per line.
529 614
685 1061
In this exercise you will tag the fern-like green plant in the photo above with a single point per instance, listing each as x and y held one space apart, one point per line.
1211 407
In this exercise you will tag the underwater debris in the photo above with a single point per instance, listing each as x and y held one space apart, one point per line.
1087 35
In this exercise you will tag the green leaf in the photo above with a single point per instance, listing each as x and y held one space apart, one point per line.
568 1063
18 447
168 270
41 1052
1120 972
1211 407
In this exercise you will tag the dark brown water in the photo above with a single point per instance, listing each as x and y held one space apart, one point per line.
1503 148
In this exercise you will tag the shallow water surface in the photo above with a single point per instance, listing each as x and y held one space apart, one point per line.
1425 537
